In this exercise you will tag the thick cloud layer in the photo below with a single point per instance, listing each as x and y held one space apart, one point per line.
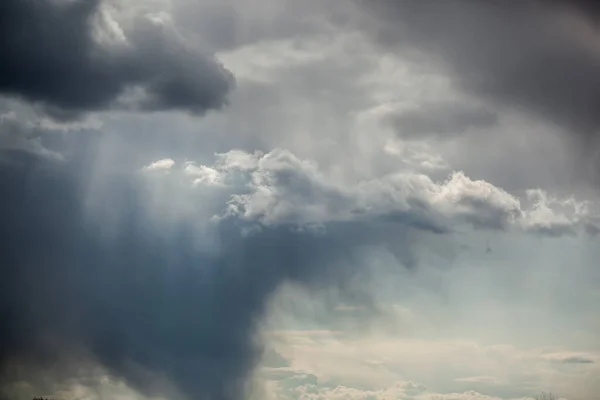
144 302
165 275
160 276
538 56
72 57
440 120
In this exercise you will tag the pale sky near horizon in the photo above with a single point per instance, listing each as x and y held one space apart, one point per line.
299 200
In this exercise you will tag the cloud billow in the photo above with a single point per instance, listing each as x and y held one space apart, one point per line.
73 57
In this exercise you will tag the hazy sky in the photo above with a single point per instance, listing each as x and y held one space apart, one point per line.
299 200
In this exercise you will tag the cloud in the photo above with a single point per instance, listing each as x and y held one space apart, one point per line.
299 385
284 221
478 379
537 57
440 120
161 165
157 269
405 368
73 57
126 271
547 216
571 358
137 290
140 303
283 189
27 134
229 25
532 53
332 96
469 395
16 135
291 384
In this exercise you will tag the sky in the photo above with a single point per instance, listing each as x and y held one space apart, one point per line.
299 200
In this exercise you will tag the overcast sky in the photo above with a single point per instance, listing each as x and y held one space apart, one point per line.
299 200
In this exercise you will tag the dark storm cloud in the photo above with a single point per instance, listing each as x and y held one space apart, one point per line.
116 270
49 55
538 56
443 120
144 299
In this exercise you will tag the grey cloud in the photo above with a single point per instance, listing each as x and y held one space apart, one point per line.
541 57
443 120
49 55
16 135
571 358
485 215
577 360
511 51
143 300
148 296
273 359
588 8
282 188
131 271
315 98
25 130
226 25
592 230
558 230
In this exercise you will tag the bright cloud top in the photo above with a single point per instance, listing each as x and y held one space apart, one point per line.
279 188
